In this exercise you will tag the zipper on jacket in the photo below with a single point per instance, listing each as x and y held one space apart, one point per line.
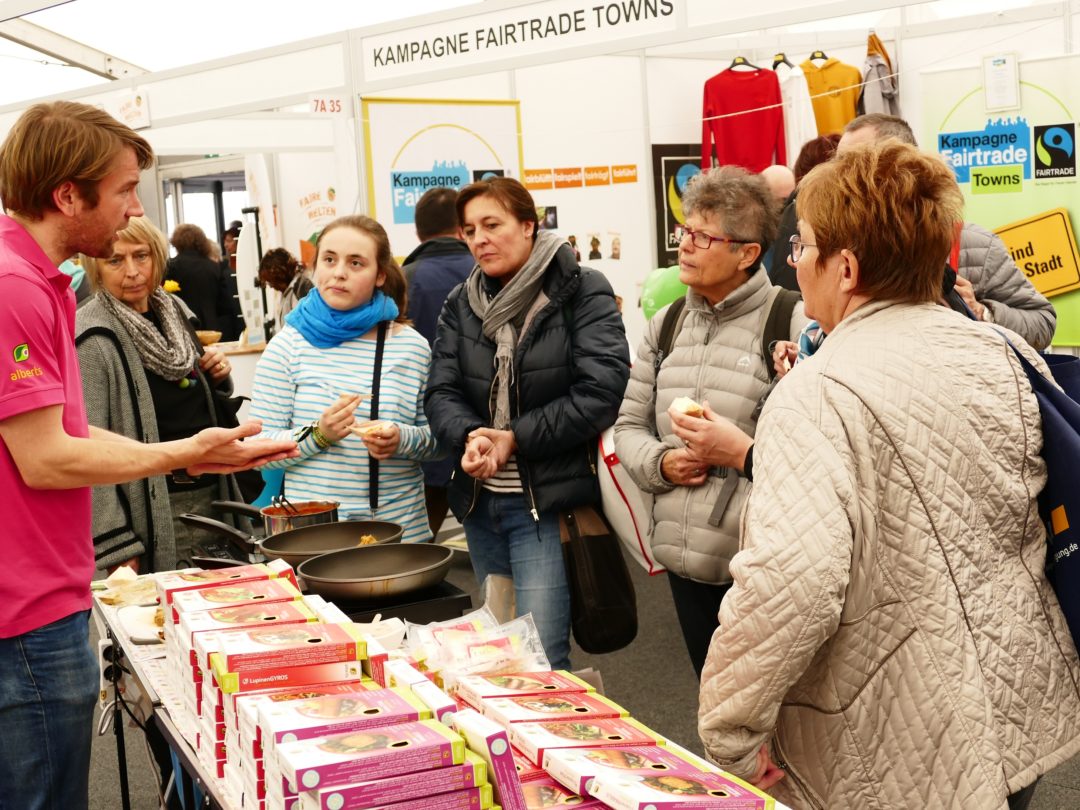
521 467
800 785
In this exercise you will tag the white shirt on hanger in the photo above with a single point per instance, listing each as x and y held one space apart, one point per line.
800 125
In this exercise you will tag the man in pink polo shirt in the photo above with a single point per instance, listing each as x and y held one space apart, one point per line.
68 177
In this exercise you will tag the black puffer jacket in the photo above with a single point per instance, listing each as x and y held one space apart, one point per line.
570 370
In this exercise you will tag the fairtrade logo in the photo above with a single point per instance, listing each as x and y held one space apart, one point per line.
21 353
1055 153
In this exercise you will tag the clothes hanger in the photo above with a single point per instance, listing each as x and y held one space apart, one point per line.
742 61
780 59
818 55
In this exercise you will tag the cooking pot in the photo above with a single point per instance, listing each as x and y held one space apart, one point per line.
296 545
376 572
281 518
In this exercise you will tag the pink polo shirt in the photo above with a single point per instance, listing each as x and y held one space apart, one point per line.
46 549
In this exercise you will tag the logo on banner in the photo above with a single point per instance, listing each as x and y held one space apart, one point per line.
406 188
1055 152
486 174
1002 142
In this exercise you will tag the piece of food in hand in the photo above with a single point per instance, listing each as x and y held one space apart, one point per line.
208 337
367 430
687 406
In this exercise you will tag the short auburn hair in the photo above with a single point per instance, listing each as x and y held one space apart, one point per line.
394 283
507 192
894 207
59 142
139 231
187 236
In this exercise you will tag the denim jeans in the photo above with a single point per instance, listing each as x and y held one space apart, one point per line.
48 687
504 539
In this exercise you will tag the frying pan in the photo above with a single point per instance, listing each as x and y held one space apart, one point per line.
376 572
296 545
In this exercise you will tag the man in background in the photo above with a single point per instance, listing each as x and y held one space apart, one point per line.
439 263
68 178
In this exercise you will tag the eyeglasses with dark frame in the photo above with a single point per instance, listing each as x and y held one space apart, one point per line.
702 240
797 246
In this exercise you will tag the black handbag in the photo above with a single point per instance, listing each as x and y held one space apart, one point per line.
603 606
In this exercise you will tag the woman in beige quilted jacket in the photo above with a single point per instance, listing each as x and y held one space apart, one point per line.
891 640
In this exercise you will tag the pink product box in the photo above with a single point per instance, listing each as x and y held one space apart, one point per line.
170 583
544 793
526 770
283 677
557 706
488 739
476 798
575 768
375 663
373 793
266 591
245 706
337 714
240 617
474 688
401 673
533 739
442 706
358 756
696 790
279 646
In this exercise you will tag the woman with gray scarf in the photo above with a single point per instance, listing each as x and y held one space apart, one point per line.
529 366
145 376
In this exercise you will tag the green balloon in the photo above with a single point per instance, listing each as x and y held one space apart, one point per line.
661 288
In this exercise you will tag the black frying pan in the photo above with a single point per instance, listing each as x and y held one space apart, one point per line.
376 572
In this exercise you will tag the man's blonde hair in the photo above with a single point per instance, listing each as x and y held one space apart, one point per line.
58 142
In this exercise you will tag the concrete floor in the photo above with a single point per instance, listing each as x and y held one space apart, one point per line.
632 677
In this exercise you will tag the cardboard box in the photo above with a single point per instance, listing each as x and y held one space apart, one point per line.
541 794
280 646
575 768
485 737
695 790
533 739
582 706
234 595
442 706
474 688
526 770
282 677
391 750
238 618
170 583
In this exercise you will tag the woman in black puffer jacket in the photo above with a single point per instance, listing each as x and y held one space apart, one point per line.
529 366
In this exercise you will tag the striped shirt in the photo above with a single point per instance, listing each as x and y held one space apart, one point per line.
295 382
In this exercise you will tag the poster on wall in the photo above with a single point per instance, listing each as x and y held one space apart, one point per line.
412 145
1017 169
674 165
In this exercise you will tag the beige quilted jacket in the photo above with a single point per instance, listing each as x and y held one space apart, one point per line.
890 629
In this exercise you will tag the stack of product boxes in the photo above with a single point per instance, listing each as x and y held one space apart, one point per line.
575 747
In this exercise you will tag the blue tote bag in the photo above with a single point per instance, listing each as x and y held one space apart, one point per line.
1059 502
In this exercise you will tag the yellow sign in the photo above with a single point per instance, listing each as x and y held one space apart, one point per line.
1044 249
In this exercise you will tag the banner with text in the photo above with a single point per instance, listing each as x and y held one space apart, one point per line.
413 145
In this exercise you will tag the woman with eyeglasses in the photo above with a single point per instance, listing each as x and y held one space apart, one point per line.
684 461
146 376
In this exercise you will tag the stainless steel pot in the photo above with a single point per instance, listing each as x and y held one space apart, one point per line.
278 519
376 572
296 545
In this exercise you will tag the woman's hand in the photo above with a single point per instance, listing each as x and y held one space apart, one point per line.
339 417
214 364
768 773
503 444
380 438
679 467
711 440
478 460
784 355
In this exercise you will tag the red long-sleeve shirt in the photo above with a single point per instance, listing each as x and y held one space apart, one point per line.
752 140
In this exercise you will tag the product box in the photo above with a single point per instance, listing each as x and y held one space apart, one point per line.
337 714
233 595
283 677
575 768
441 704
280 646
245 706
477 798
471 773
170 583
375 663
526 770
474 688
533 739
240 617
544 793
399 672
488 739
698 790
362 755
557 706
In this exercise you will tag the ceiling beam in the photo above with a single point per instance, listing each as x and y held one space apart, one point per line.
66 50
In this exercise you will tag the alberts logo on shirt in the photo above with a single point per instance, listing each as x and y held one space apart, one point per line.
21 354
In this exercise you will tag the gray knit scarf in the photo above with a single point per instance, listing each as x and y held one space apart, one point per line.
510 304
170 355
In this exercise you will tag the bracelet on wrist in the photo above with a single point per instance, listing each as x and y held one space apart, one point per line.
320 438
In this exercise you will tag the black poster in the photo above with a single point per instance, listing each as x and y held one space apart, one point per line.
673 167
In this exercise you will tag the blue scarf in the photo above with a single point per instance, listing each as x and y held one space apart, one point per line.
325 327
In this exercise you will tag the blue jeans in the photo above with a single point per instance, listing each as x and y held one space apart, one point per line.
48 687
504 539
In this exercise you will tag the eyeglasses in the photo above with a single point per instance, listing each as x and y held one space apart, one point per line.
797 247
140 257
703 240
